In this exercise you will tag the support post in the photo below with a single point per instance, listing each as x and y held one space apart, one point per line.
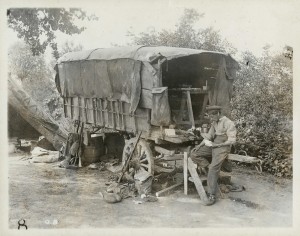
113 118
100 110
185 173
72 107
190 109
182 106
197 181
122 115
205 103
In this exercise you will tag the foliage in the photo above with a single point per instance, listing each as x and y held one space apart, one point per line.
263 110
37 26
69 46
185 35
31 70
36 78
23 64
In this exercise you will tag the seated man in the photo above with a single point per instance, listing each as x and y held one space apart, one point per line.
216 144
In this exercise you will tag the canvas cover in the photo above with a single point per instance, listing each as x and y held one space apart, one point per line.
138 53
117 79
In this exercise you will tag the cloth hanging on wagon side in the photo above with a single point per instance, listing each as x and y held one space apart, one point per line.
117 79
161 113
223 88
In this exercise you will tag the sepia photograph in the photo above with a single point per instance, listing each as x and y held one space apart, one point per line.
140 115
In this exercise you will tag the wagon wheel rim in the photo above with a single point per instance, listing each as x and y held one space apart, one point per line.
142 155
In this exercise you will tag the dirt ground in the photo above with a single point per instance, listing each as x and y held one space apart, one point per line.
51 197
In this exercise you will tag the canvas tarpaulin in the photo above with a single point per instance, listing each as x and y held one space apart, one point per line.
115 79
138 53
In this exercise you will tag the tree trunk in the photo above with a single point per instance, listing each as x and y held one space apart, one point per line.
35 116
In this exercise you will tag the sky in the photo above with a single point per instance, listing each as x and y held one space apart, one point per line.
248 25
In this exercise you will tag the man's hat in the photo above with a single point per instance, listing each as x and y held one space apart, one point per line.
213 108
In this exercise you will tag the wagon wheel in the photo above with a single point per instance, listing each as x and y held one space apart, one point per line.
142 155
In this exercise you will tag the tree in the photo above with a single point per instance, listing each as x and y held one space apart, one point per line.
263 110
69 46
185 35
23 65
35 77
37 26
33 71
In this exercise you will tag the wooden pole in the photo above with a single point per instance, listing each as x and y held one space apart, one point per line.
190 109
197 181
128 159
185 173
168 190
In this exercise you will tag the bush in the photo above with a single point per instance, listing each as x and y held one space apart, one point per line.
262 109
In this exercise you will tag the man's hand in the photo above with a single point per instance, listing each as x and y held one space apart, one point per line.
215 145
196 148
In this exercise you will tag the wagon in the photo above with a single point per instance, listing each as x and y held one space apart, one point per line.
160 92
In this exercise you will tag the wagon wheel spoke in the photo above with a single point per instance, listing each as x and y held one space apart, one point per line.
143 160
139 151
142 154
146 166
